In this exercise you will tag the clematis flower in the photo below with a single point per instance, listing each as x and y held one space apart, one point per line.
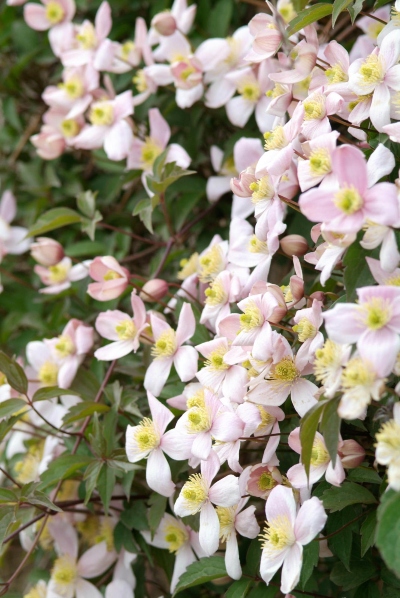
146 440
359 383
167 350
74 94
111 278
320 463
381 276
50 13
226 288
70 349
57 278
328 365
199 495
262 479
262 421
267 37
165 23
318 166
124 330
13 239
47 252
57 133
307 324
286 533
388 448
375 325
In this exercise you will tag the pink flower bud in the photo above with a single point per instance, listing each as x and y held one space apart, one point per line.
263 478
294 245
154 290
351 454
318 295
47 252
164 23
241 186
111 278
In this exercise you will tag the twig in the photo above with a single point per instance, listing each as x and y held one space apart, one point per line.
164 257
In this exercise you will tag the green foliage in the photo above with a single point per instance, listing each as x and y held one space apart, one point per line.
308 16
388 530
200 572
336 499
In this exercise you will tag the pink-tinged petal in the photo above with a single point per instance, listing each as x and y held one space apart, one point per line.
184 558
380 348
239 110
177 445
303 395
201 446
103 21
117 141
96 560
114 350
380 107
176 153
8 206
386 212
265 121
246 152
348 164
269 565
337 323
390 49
185 361
91 137
291 568
219 93
217 186
380 163
227 427
310 520
211 467
232 561
246 523
65 537
281 503
157 374
392 78
393 131
186 324
158 326
107 321
85 589
118 587
139 310
158 473
209 529
35 17
272 445
160 415
67 371
185 98
294 440
122 105
298 478
159 128
225 492
335 475
211 52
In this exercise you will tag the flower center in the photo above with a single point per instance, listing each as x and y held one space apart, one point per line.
126 48
73 87
278 534
146 435
266 418
64 346
320 162
262 189
195 492
175 537
336 74
126 330
70 128
389 436
348 200
48 374
305 329
189 266
87 37
377 313
54 12
275 139
250 90
57 273
251 317
319 454
111 275
211 264
287 12
287 293
266 481
165 346
285 370
39 591
393 281
226 518
357 373
64 573
314 108
101 114
198 420
277 91
140 81
327 360
196 400
150 151
216 360
257 246
372 70
215 294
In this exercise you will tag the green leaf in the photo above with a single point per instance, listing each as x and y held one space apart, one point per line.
201 572
157 504
388 530
330 428
253 558
82 410
341 543
11 406
14 373
136 516
219 18
63 467
49 392
105 485
86 202
91 476
239 589
361 571
40 498
123 538
356 273
53 219
308 16
308 428
7 517
367 532
356 9
338 7
336 499
310 560
7 495
364 475
368 590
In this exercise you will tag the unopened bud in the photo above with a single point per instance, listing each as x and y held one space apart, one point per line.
164 23
47 252
154 290
318 295
294 245
351 454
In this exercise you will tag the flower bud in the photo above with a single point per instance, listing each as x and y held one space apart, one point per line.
263 478
351 454
318 295
47 252
294 245
164 23
111 278
154 290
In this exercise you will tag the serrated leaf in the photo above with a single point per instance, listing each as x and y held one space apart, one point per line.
157 504
63 467
336 499
135 517
7 517
364 475
355 10
308 16
200 572
308 428
367 532
239 589
50 392
361 571
388 530
310 560
338 7
11 406
53 219
330 428
105 486
82 410
14 373
90 478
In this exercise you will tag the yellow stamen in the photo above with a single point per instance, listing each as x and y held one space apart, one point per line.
251 317
87 37
106 534
250 90
176 537
226 518
336 74
278 534
70 128
126 330
140 81
216 294
189 266
376 313
257 246
320 162
275 139
211 264
195 492
64 574
111 275
149 152
54 12
101 114
327 360
196 400
73 87
305 329
357 373
57 273
198 420
319 454
266 481
64 346
285 370
146 435
314 107
262 189
165 346
48 374
372 70
348 200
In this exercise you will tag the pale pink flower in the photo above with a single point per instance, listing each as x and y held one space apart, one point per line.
109 127
12 238
316 111
59 277
262 421
111 278
328 254
47 252
375 325
167 350
124 330
360 383
318 166
307 324
180 17
346 209
146 441
70 349
51 13
320 463
262 479
293 532
198 494
226 288
381 276
267 37
57 133
305 53
73 95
